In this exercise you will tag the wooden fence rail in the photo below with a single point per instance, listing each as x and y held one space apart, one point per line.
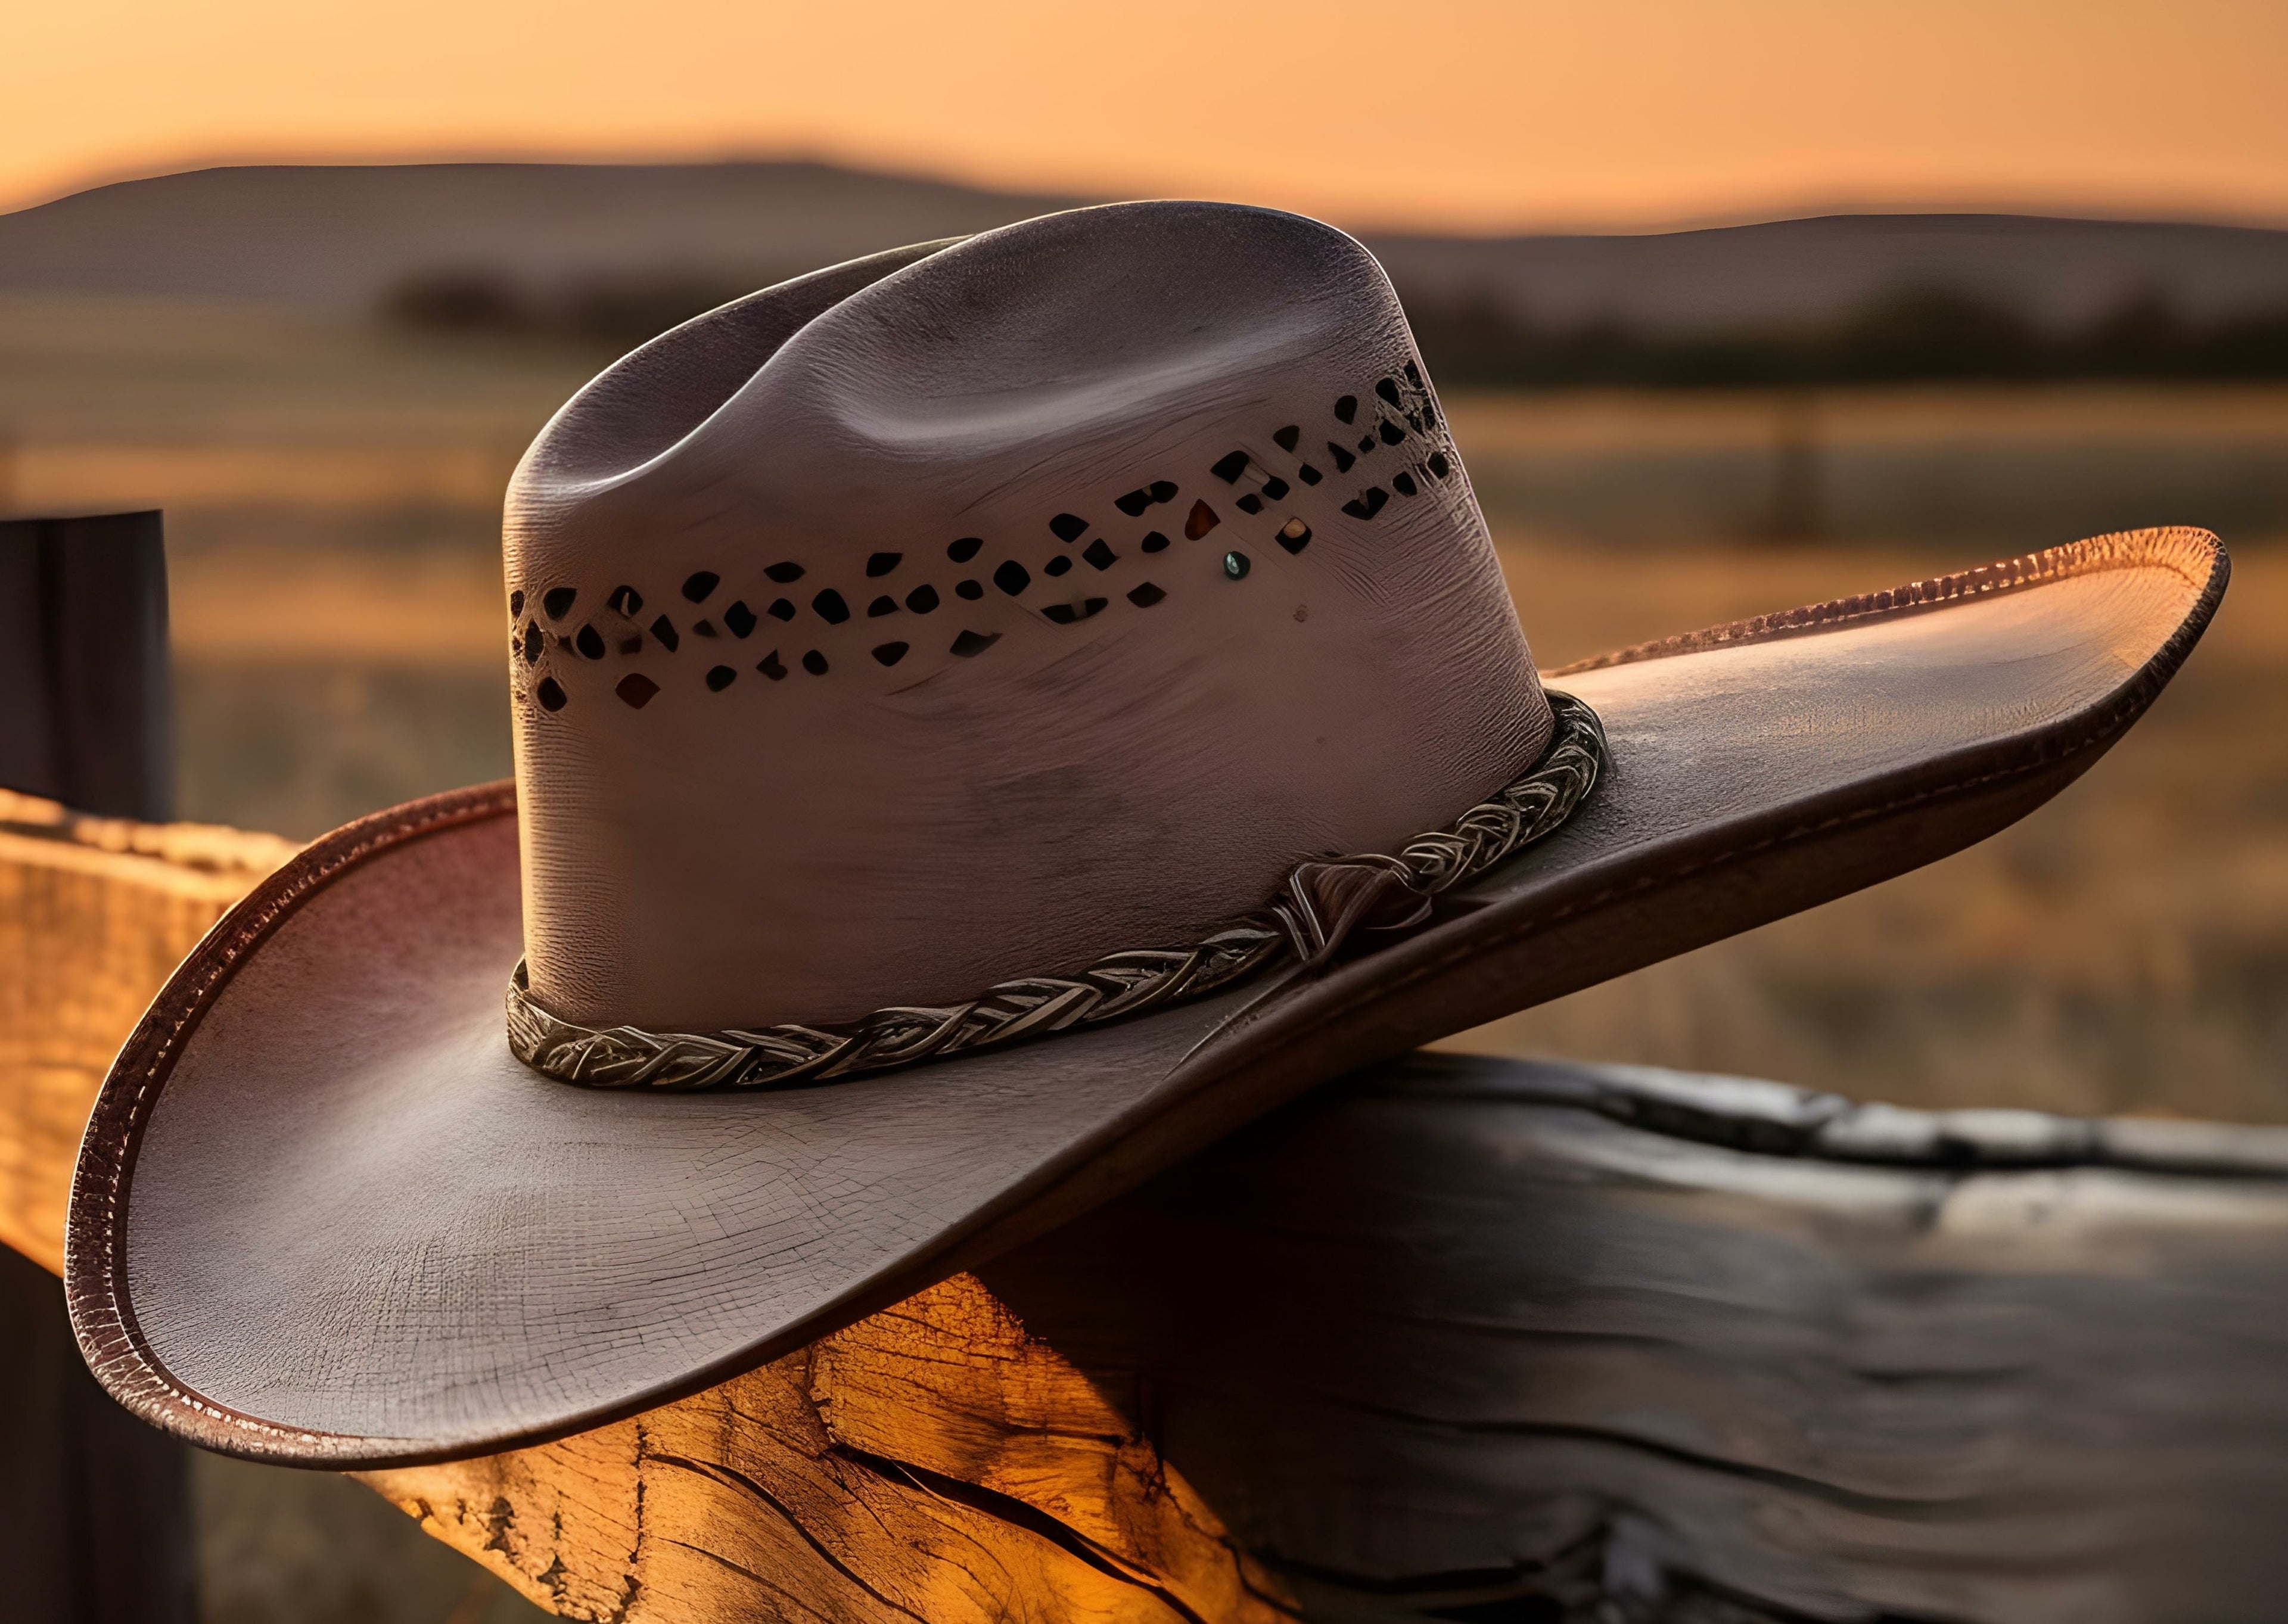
1458 1339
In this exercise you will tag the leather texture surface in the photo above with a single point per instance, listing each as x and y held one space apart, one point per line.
1014 469
321 1216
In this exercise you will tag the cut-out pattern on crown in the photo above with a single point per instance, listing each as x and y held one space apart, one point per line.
1390 432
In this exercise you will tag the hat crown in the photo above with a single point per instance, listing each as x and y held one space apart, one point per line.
974 611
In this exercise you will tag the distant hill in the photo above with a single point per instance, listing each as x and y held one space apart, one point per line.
339 235
343 236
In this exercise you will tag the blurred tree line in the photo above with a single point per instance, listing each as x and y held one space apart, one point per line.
611 313
1912 335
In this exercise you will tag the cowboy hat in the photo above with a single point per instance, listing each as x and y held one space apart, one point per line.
990 718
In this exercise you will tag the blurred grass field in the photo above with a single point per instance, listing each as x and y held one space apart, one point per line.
332 500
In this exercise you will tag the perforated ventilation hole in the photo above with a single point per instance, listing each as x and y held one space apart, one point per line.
550 694
1012 577
1069 527
780 609
972 643
631 644
1346 408
1153 541
663 629
590 642
1236 565
1134 502
880 606
703 628
557 601
889 653
515 604
720 677
784 574
970 590
1387 388
740 619
1288 438
626 600
1163 490
1144 595
830 607
1367 502
881 564
1309 474
532 640
964 549
1294 536
1366 445
1429 416
1065 614
1439 465
1404 485
1201 520
1414 375
1343 459
1230 466
1100 556
771 666
1273 488
697 585
1250 503
635 690
1058 566
921 599
1390 432
815 663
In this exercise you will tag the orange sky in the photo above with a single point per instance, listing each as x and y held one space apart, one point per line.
1473 112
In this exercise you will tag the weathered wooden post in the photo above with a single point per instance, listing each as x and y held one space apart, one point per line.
95 1520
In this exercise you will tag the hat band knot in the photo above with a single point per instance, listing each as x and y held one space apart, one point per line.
1319 906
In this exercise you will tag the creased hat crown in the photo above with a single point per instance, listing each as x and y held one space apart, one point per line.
974 610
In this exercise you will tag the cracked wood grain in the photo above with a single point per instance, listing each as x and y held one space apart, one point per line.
933 1463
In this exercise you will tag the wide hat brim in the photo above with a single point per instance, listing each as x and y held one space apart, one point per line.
321 1216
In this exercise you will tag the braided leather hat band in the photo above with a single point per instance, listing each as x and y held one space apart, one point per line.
1321 904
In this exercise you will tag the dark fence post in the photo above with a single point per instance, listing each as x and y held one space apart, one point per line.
86 706
95 1507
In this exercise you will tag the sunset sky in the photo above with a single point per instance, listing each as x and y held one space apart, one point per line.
1475 114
